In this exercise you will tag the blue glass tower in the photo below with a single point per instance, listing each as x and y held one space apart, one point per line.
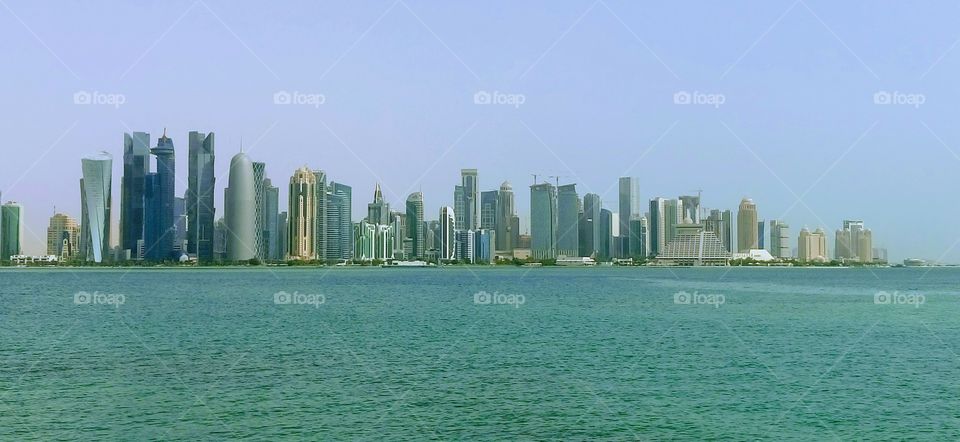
159 197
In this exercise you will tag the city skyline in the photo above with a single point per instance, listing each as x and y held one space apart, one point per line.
801 116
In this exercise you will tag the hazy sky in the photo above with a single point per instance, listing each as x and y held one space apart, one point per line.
798 129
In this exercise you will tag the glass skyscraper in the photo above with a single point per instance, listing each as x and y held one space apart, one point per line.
95 188
159 226
136 166
201 182
568 217
543 221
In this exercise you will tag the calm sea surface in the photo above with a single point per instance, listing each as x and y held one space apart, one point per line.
480 354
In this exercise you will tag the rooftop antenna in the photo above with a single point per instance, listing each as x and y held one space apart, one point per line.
241 144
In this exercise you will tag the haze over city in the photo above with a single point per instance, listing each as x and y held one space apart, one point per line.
833 112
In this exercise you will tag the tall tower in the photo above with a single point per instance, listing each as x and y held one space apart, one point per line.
300 215
378 211
448 226
747 232
136 166
471 202
95 201
240 210
320 214
568 217
543 221
630 209
11 230
415 224
159 234
506 211
201 184
63 234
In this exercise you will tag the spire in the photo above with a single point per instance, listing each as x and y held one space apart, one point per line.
241 144
377 195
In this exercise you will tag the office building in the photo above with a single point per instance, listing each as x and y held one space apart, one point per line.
95 202
812 247
568 219
339 221
159 229
779 246
630 207
543 221
201 184
506 215
240 209
464 246
447 248
11 230
269 222
301 213
415 225
747 233
136 166
63 237
719 222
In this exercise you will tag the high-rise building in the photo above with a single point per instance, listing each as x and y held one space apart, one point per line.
747 234
588 226
11 230
136 166
95 188
657 228
159 227
606 235
201 184
269 214
259 206
568 219
471 202
282 236
779 239
375 237
220 240
853 242
447 249
639 238
761 231
301 213
378 211
630 208
673 215
812 246
543 221
320 214
484 242
691 208
464 248
240 209
719 222
506 211
63 236
179 225
415 224
339 221
488 209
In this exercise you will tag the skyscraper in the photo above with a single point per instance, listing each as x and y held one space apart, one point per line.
471 202
506 211
853 242
606 235
691 208
812 246
271 230
136 166
240 210
201 183
568 218
543 221
301 212
761 231
630 207
159 227
488 209
673 215
378 211
260 204
448 225
95 201
415 224
320 214
63 236
11 230
719 222
339 221
658 237
282 236
779 239
747 234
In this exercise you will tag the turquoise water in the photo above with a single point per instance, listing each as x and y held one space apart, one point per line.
398 354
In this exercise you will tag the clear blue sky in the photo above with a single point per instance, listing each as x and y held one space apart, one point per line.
598 78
